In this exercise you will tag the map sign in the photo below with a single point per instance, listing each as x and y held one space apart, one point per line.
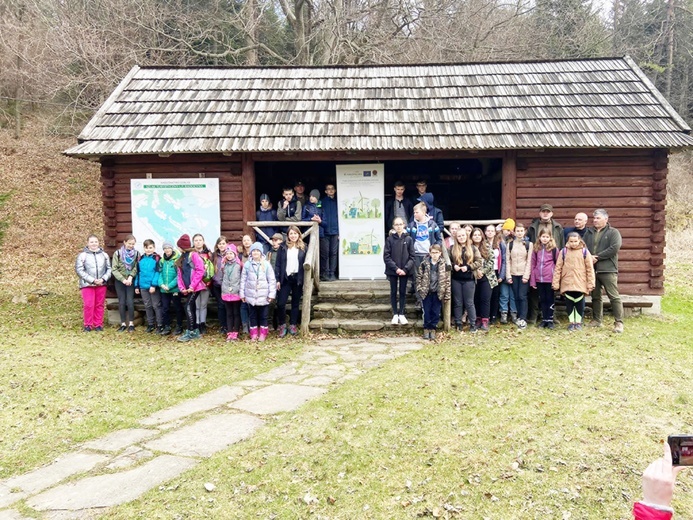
164 209
360 190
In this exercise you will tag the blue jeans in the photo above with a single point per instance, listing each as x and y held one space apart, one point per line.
431 311
520 291
507 298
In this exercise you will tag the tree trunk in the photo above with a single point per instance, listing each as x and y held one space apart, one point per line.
670 48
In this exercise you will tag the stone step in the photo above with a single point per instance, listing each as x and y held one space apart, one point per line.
362 310
356 325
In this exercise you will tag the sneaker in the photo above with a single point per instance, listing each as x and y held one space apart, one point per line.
426 334
150 329
293 330
86 328
484 325
122 328
472 329
550 325
232 336
223 331
131 328
403 320
98 329
521 324
513 317
432 335
595 323
618 327
178 331
166 331
578 326
185 336
504 318
571 327
202 328
195 334
282 331
458 326
395 320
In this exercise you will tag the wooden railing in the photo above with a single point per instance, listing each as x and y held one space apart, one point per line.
311 264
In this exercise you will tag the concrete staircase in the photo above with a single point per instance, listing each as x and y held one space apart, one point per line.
360 306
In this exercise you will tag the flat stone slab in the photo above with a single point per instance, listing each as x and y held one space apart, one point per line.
277 398
207 436
116 441
361 325
337 342
203 403
324 324
396 341
48 476
114 489
319 381
7 497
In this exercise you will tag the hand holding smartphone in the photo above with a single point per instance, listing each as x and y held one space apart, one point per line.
681 449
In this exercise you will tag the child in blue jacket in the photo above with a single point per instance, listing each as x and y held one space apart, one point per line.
147 285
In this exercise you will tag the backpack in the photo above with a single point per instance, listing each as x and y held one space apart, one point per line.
524 240
584 252
209 270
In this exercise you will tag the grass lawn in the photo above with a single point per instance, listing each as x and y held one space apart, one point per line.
500 426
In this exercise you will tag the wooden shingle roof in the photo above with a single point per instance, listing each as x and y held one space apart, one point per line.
605 102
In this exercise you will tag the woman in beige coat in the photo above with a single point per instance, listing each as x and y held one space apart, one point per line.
574 278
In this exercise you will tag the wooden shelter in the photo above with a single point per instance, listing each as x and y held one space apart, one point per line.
493 139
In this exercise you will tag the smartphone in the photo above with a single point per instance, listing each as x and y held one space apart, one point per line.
681 449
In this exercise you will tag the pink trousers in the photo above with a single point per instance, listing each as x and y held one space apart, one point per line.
94 299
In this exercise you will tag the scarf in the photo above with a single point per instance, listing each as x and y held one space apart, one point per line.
128 257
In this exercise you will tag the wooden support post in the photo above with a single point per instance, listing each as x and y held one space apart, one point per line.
248 189
509 185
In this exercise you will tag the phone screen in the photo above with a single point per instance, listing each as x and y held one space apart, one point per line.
681 449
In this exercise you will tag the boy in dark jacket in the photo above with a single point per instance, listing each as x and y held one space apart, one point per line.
266 214
329 229
433 287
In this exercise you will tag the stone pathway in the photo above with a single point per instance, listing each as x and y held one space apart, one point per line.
125 464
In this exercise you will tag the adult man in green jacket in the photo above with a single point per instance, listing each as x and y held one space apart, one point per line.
604 242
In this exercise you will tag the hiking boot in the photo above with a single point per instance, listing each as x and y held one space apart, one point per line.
282 331
504 318
246 328
263 333
395 319
595 323
165 331
426 334
150 329
403 320
478 323
513 317
232 336
618 327
432 335
293 330
86 328
484 325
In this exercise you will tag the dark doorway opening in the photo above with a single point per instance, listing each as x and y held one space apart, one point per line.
464 189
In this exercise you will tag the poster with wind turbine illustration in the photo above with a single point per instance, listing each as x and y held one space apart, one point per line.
360 194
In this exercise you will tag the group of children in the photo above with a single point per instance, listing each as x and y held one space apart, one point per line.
487 273
246 284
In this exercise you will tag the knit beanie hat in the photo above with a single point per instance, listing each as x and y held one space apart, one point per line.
167 243
256 245
184 242
264 196
315 193
509 224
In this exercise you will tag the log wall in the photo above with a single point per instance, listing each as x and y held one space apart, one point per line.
116 174
629 184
